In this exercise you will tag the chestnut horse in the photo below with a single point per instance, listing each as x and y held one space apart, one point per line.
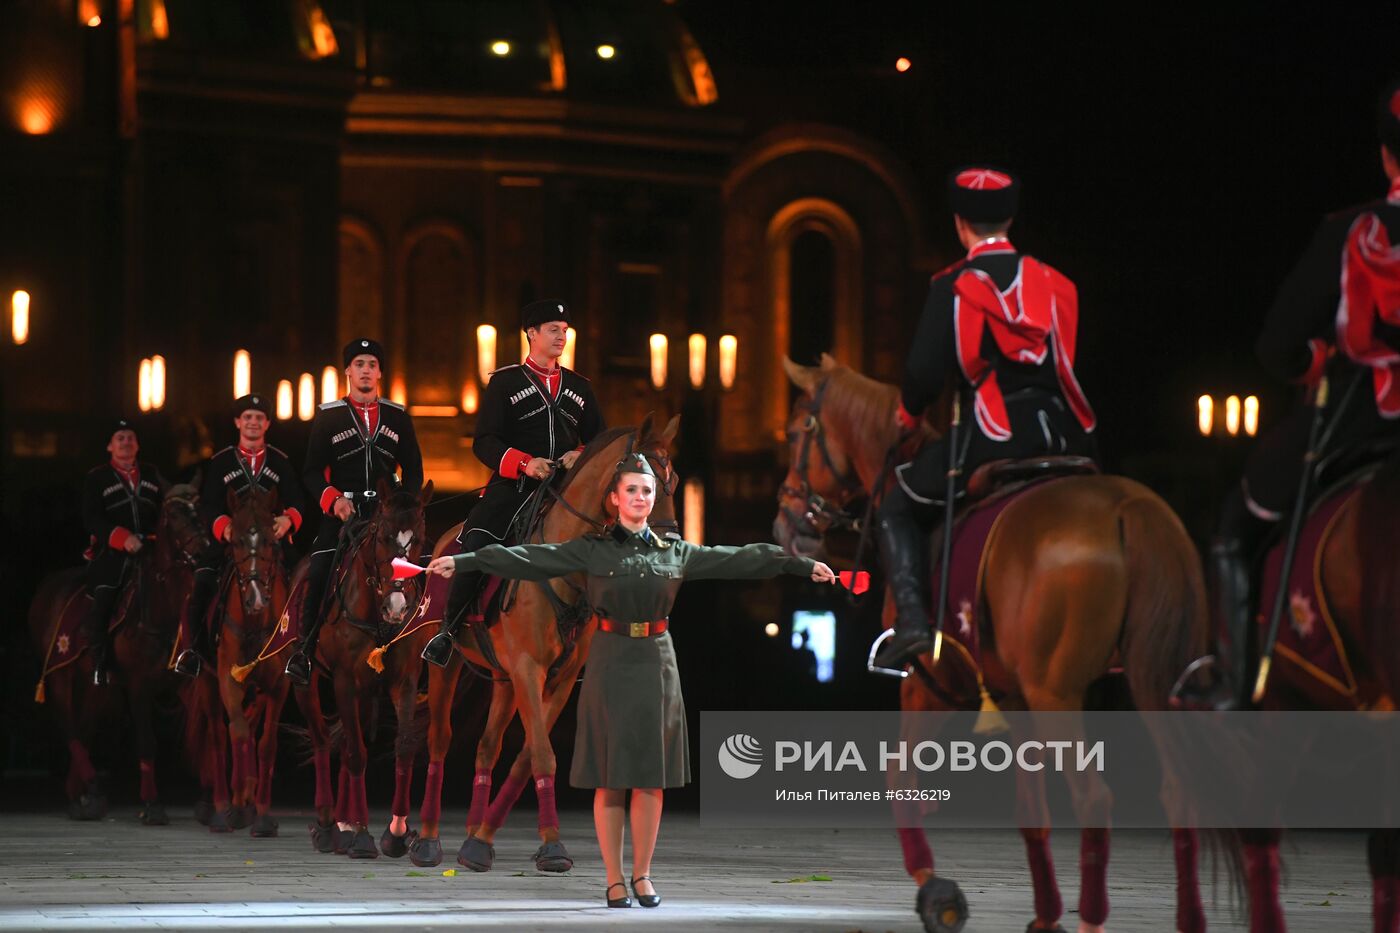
367 609
1360 575
1081 570
253 590
147 615
540 669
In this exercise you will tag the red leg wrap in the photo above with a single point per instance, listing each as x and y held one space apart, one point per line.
342 796
1262 866
324 796
481 793
1190 915
148 781
1093 873
359 802
917 855
82 764
549 813
432 794
1385 911
505 799
1048 906
403 784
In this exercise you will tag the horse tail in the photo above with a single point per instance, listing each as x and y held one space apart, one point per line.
1166 625
1378 514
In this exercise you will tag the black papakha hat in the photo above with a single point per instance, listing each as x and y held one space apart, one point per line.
252 402
121 424
982 194
539 313
359 347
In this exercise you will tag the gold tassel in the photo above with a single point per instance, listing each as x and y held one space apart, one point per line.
240 672
990 721
39 695
376 659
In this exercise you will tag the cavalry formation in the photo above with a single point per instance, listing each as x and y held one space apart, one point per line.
1018 575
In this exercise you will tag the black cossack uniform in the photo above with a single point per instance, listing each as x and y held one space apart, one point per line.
112 512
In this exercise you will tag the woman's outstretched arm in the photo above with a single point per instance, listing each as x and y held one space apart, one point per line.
521 562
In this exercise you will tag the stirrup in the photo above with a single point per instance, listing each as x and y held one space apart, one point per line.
189 663
875 646
434 651
299 673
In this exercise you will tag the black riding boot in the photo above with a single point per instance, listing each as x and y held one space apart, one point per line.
299 664
459 601
901 551
99 637
206 585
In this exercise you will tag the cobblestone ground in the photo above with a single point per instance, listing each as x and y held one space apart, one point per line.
56 874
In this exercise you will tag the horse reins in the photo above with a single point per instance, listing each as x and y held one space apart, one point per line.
820 514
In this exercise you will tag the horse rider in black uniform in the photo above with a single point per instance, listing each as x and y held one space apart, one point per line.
531 415
121 506
355 442
1002 326
1337 313
251 463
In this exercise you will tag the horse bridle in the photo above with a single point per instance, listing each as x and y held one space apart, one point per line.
820 514
255 574
376 582
192 540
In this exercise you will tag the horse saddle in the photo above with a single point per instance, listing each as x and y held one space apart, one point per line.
997 475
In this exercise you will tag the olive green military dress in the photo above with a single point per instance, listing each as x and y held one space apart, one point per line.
631 717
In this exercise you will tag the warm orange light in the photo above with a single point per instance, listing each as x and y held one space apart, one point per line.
37 115
94 21
1232 415
160 23
284 399
242 374
485 351
606 52
902 64
157 382
694 510
306 397
143 385
1205 414
728 359
322 35
771 630
697 360
19 317
1251 415
500 47
658 360
89 12
566 359
433 411
330 384
398 393
469 397
524 346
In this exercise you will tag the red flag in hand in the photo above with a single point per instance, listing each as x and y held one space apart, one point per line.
857 582
403 569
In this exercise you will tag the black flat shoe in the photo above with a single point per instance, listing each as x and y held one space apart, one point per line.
646 900
623 901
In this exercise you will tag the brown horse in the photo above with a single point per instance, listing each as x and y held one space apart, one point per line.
145 618
1080 571
1360 576
367 612
254 587
541 653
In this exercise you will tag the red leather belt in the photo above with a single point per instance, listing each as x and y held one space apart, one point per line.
632 629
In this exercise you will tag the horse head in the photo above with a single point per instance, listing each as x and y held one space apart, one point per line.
397 531
253 547
180 534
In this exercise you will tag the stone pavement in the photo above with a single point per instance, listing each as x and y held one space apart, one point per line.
57 875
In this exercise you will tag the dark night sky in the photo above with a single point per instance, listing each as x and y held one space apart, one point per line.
1175 157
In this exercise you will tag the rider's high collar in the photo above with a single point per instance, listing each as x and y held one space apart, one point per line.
992 244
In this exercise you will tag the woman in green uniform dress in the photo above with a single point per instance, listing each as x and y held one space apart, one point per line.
631 717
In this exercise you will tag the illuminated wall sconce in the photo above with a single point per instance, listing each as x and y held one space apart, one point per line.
607 52
697 361
157 382
902 64
469 397
1251 415
1237 415
143 385
330 384
306 397
566 359
1232 415
1205 415
398 392
284 400
242 374
19 317
658 360
771 630
728 360
89 13
485 351
500 48
693 506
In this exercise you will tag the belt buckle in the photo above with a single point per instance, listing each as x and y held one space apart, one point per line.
637 629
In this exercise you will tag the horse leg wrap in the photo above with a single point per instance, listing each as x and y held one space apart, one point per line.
1262 869
505 799
481 793
403 781
1093 874
917 855
358 806
245 765
544 791
1385 912
218 770
342 796
264 800
432 795
1048 906
82 764
148 781
324 797
1190 915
